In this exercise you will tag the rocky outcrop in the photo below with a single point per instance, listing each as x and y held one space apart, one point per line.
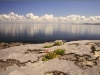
7 45
83 61
79 59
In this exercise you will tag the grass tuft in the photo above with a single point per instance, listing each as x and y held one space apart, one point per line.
55 43
47 46
59 52
53 54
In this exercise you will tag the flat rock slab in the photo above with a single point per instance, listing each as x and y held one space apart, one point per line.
27 58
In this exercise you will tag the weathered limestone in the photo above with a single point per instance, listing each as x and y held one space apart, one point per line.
79 59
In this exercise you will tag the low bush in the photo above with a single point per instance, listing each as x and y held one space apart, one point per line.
59 52
53 54
57 44
47 46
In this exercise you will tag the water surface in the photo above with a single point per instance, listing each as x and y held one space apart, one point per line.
38 33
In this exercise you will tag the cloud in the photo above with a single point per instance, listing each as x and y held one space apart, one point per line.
11 17
31 18
47 17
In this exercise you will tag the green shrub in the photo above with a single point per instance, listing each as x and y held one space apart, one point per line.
49 56
44 59
53 54
59 52
57 44
47 46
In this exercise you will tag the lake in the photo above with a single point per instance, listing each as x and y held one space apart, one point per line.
39 33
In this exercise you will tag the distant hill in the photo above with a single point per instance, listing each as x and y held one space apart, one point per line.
91 23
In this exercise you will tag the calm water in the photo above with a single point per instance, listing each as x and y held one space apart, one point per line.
38 33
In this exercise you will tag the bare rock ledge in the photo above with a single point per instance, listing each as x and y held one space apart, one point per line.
80 58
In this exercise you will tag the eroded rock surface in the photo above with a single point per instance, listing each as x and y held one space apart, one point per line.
79 59
55 73
83 61
7 45
35 51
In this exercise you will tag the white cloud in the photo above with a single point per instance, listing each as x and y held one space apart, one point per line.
47 17
31 18
11 14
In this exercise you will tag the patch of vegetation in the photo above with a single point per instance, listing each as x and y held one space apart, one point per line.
53 54
48 46
59 52
57 44
44 59
49 56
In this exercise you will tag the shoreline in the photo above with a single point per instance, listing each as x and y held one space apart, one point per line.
4 45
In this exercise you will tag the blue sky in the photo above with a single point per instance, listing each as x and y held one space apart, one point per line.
56 8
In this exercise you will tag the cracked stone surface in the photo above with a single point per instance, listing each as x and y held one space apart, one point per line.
79 59
83 61
55 73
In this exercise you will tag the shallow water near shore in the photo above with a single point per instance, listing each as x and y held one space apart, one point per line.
39 33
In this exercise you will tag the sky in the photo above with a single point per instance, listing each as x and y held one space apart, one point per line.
51 8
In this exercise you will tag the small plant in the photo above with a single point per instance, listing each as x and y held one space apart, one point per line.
53 54
58 43
49 56
59 52
44 59
47 46
55 43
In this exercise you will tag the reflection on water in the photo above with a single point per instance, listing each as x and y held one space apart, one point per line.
48 32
